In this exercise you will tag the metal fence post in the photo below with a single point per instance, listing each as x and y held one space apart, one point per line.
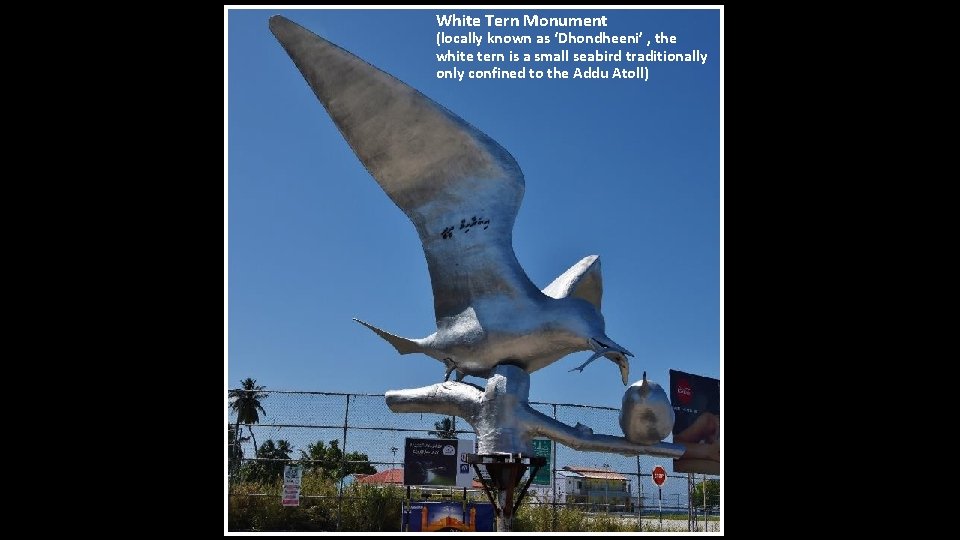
703 487
343 463
553 466
639 497
346 414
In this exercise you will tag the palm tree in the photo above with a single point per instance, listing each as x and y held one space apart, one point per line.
274 457
246 402
234 451
445 429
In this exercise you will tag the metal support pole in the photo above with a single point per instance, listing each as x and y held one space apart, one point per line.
485 488
661 507
526 486
505 472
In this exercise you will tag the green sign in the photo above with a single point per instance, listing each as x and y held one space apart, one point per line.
541 448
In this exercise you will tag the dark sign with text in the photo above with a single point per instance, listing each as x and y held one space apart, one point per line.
437 462
696 404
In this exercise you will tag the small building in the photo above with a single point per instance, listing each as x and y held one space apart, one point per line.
387 477
596 488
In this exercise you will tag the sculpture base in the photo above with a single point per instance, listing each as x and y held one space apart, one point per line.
503 474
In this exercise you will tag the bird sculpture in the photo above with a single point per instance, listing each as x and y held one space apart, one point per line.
462 191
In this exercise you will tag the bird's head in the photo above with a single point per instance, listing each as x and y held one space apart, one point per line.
590 329
607 347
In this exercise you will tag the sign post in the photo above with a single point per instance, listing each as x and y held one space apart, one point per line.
659 476
291 485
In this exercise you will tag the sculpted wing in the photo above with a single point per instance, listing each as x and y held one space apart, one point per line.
458 186
582 280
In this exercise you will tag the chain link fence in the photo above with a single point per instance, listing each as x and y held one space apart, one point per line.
363 423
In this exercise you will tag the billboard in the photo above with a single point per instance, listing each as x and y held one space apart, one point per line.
696 404
448 516
437 462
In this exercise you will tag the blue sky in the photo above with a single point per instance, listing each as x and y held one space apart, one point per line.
625 169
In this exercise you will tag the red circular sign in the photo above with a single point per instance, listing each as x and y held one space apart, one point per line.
684 392
659 476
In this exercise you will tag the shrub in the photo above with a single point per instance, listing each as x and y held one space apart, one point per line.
256 507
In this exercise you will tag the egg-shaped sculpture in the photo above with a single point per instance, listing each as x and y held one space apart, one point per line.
646 416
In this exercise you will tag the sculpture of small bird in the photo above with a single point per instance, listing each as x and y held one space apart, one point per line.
462 191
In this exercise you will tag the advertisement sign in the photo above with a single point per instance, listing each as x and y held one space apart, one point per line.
291 485
448 516
543 448
437 462
696 403
465 472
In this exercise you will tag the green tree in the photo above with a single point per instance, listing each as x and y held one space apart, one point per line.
272 456
713 493
331 462
357 463
444 429
315 458
245 402
234 450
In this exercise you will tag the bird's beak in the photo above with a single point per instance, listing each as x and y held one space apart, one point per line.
609 348
604 345
621 361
